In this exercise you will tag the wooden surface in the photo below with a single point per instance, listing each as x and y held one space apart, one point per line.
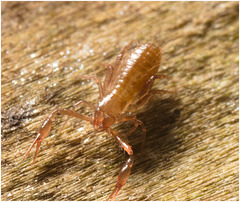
192 144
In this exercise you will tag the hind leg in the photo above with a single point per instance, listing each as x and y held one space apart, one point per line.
147 97
146 93
113 70
149 84
108 78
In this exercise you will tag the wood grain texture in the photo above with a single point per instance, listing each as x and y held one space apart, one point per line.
192 145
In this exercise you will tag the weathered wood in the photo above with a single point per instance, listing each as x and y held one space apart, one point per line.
191 150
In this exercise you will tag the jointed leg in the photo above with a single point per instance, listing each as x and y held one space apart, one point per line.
108 78
113 71
47 125
136 122
149 84
126 169
84 102
97 80
120 56
133 119
147 97
146 93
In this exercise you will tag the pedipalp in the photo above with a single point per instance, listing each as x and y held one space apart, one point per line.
47 125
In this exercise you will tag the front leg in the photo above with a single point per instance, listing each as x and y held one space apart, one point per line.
136 122
97 80
47 125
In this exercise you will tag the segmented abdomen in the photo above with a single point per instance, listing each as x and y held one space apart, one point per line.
136 70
